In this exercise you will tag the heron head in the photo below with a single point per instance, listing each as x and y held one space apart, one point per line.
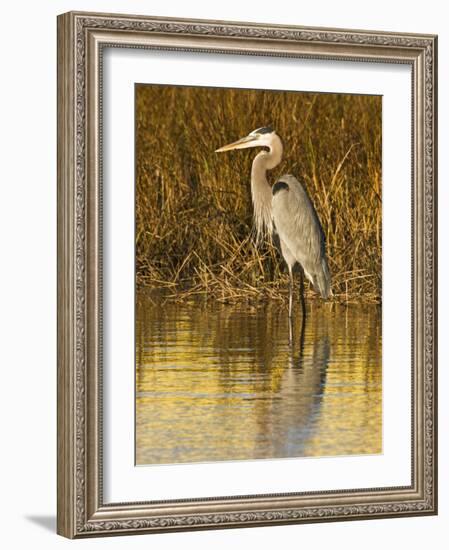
261 137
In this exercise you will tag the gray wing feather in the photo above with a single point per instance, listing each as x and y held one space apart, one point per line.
300 231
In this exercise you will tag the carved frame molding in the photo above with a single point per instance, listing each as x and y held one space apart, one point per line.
81 39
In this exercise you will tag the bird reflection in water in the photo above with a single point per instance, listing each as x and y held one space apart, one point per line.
216 382
302 386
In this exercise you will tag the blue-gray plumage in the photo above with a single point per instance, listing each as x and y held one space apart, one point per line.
286 208
264 130
279 186
300 232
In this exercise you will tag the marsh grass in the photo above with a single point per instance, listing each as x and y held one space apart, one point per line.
193 206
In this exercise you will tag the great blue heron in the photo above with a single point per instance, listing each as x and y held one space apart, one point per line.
285 208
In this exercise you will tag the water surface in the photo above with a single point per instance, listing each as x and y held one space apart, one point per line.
221 382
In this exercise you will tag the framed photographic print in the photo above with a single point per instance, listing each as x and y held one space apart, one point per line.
246 274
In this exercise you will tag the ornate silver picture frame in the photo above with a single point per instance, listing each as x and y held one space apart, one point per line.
82 509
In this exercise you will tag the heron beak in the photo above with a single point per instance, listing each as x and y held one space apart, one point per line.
247 141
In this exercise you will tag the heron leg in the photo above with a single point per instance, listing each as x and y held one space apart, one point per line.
290 308
290 331
301 292
290 297
302 337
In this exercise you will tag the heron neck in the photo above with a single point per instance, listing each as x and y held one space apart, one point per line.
267 160
261 189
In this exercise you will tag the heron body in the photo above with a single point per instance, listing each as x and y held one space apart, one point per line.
286 209
300 233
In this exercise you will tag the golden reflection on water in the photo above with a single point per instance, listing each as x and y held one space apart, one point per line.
220 382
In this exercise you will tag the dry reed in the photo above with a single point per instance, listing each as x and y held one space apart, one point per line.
193 207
